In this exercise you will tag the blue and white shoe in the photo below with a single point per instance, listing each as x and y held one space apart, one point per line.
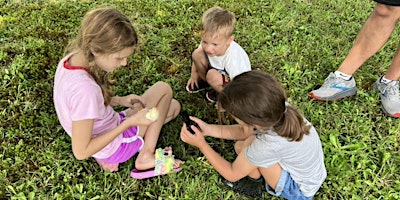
390 97
334 88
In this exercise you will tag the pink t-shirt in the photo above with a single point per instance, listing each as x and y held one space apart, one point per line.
78 97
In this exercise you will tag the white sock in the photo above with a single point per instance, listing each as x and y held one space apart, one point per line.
385 80
342 75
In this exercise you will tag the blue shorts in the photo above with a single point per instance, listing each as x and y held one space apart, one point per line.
287 188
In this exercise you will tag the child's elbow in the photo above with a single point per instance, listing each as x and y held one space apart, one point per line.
80 156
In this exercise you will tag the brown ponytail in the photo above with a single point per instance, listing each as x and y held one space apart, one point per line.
292 125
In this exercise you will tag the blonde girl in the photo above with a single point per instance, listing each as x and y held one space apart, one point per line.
84 99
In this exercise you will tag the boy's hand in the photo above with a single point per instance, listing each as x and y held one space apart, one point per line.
192 83
193 80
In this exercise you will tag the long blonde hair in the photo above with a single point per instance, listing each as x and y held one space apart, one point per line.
103 30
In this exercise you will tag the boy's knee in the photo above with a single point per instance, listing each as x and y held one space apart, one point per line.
213 76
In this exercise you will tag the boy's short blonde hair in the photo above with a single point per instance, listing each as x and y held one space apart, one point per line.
218 21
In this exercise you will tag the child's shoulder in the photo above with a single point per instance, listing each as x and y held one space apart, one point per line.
235 49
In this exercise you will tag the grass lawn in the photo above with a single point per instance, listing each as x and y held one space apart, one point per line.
298 41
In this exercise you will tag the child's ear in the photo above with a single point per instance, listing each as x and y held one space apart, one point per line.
95 53
230 39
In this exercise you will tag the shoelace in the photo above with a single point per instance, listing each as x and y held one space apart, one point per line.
328 81
391 89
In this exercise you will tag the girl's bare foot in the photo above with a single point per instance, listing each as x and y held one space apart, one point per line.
112 167
147 161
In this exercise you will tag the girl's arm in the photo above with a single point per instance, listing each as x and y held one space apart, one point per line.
230 171
128 101
84 146
229 132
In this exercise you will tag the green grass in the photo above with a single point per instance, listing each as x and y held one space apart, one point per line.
297 41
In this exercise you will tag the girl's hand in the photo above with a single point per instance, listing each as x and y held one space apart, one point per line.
132 101
139 118
205 129
196 139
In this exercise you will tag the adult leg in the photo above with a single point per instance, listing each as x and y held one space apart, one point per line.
388 87
393 72
372 37
160 96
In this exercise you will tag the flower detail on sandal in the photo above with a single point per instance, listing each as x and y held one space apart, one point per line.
164 164
164 161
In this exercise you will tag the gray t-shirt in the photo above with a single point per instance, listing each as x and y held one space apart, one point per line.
304 160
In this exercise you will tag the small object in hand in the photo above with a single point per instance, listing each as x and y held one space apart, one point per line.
152 114
189 122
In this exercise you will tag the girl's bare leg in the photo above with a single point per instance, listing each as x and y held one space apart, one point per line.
160 96
271 175
240 146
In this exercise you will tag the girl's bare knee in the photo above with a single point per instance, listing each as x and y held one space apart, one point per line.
164 87
175 108
238 147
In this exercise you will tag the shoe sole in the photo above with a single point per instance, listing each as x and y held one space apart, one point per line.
340 95
195 91
210 100
395 115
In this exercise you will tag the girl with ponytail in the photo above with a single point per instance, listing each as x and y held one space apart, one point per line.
278 149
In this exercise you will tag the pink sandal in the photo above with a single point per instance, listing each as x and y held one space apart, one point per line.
164 164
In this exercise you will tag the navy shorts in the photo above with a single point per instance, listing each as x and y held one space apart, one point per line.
224 74
389 2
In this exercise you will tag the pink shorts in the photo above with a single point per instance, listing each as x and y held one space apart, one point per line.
131 144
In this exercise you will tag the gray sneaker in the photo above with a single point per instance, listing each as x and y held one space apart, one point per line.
334 88
390 97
